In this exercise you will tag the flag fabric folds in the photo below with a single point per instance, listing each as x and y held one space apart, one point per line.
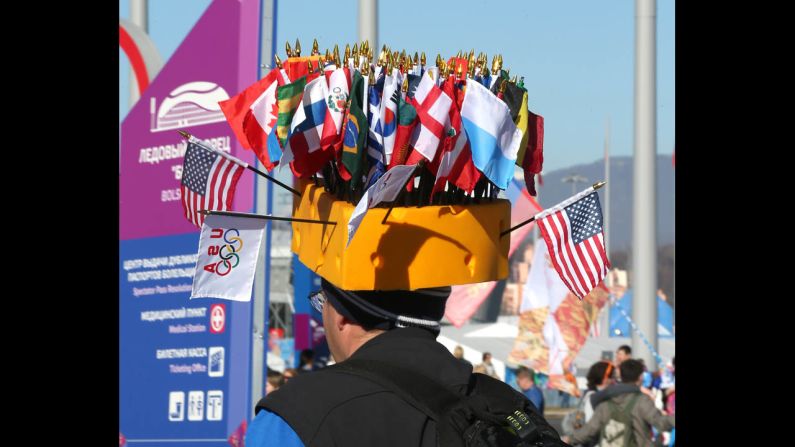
228 251
303 152
553 323
574 234
355 128
492 134
252 114
209 179
386 189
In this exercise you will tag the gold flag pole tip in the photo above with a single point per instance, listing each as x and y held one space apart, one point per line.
599 184
186 135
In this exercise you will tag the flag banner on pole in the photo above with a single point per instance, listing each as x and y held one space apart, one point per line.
554 323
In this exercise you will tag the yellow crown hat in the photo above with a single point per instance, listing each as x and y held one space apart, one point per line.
413 248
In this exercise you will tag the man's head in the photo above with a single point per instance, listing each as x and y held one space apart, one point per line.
600 375
487 358
289 373
307 357
623 352
631 372
275 379
525 378
351 318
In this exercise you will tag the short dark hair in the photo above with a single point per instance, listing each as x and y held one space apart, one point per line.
630 370
275 378
526 372
307 355
486 354
597 372
627 350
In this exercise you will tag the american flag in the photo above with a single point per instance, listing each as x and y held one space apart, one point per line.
208 181
573 233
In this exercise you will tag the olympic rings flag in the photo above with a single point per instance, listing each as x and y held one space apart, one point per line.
228 251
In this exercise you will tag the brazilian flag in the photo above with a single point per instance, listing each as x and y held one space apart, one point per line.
354 143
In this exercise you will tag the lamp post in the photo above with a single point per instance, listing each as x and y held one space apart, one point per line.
574 179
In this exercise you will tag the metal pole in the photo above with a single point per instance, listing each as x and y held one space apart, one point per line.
605 314
259 346
368 23
139 15
644 239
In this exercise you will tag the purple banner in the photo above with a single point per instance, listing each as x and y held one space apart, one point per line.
216 60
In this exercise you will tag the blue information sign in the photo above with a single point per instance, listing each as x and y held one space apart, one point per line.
184 364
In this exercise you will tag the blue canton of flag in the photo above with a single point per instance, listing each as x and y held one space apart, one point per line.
208 182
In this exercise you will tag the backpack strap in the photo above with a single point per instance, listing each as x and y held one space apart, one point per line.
631 404
629 434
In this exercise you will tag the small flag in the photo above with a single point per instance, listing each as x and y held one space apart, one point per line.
252 114
355 139
289 99
375 139
209 179
573 230
303 152
389 111
386 189
339 87
228 251
455 165
433 106
493 136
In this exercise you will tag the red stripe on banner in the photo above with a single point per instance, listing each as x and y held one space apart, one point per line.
212 186
599 267
548 230
555 254
210 197
589 258
183 190
224 187
197 218
192 211
588 269
230 192
188 205
568 255
593 244
603 251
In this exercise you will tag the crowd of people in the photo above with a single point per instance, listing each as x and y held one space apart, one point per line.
625 404
620 394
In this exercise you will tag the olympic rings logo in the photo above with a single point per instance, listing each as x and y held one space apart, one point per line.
229 252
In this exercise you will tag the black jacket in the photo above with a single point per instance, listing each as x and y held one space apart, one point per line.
328 408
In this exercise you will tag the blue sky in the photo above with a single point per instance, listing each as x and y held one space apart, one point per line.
577 57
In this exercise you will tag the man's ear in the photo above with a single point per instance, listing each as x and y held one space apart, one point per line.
341 322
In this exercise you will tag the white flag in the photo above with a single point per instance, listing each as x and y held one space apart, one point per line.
385 189
228 251
543 287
